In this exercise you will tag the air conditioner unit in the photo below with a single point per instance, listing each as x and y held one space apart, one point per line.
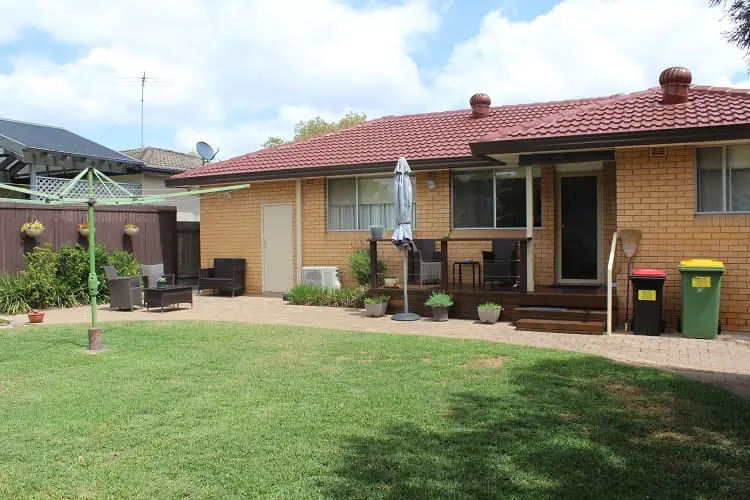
325 276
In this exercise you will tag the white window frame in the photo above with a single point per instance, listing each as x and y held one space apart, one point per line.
356 200
494 199
726 187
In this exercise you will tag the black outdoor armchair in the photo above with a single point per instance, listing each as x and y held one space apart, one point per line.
227 275
125 292
501 264
424 262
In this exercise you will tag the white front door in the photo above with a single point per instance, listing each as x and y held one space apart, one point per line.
277 249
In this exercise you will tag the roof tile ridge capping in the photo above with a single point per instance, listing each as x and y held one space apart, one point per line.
589 104
35 124
720 90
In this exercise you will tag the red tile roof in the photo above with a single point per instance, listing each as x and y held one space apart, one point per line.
446 135
425 136
639 111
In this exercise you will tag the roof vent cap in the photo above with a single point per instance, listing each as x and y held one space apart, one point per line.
675 84
480 105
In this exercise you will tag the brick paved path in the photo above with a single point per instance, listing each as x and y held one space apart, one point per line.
725 361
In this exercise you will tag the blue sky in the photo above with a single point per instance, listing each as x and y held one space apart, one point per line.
233 73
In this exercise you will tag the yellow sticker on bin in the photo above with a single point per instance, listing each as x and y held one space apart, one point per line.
709 263
701 282
647 295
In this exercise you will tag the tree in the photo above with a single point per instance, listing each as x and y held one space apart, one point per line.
738 12
316 126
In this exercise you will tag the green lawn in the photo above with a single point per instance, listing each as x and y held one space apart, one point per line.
213 410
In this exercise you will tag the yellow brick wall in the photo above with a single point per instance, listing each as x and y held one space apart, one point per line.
232 227
656 196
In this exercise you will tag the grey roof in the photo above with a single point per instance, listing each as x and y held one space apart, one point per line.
22 137
164 160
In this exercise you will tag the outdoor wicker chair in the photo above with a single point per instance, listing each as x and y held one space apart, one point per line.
500 264
125 292
226 275
152 272
425 262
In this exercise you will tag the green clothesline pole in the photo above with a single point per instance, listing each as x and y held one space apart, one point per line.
95 333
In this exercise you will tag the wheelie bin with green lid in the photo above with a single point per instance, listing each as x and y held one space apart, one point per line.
647 301
701 292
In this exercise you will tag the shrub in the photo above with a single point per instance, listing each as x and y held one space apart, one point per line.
13 293
60 279
380 299
313 295
439 299
490 305
359 264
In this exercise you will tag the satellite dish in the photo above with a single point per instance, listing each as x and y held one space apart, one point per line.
205 151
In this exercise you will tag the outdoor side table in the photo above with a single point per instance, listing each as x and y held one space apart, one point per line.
168 296
476 270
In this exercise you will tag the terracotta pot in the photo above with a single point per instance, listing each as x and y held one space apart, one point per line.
489 316
376 310
440 314
36 317
34 232
131 231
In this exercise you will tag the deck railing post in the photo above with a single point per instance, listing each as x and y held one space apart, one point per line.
522 267
373 263
444 264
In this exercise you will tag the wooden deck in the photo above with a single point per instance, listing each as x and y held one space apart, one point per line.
561 302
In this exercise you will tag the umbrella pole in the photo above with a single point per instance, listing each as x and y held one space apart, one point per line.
406 283
406 315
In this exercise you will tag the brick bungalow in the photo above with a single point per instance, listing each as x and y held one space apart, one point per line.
669 161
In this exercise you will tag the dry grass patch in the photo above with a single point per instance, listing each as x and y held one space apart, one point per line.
493 362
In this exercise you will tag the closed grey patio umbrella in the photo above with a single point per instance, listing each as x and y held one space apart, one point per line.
402 238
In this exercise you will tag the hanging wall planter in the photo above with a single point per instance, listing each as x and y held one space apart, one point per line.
33 229
131 229
83 230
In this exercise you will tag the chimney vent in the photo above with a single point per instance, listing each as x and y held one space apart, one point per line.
480 105
675 84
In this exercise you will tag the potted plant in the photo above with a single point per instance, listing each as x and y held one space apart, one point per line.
33 229
83 229
131 229
439 302
376 232
36 316
489 313
376 306
161 282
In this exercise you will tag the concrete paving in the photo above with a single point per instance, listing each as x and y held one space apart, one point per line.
724 361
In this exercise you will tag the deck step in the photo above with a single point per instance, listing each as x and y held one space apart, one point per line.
561 326
560 313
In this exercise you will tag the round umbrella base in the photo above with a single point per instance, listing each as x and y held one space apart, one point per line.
406 317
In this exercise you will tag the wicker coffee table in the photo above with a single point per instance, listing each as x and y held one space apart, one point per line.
168 296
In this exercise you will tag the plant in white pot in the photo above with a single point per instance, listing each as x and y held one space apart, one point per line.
83 229
489 313
131 229
33 229
440 302
376 306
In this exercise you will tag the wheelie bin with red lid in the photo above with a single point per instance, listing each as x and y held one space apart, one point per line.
648 285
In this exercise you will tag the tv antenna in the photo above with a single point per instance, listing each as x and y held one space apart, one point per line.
142 80
205 151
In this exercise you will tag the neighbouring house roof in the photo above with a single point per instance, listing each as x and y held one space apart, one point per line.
708 113
27 139
164 160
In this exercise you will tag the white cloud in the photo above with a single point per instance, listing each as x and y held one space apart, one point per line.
229 62
589 48
240 71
